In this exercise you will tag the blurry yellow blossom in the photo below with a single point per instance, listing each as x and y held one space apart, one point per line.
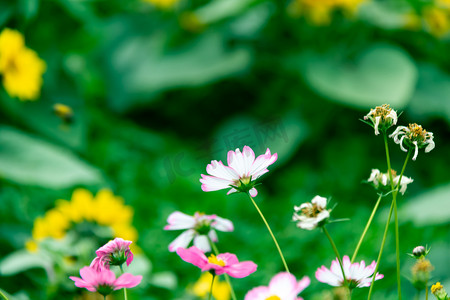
437 20
320 12
164 4
104 209
221 289
20 67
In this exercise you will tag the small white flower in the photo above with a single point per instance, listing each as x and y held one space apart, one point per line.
240 174
382 180
199 227
382 117
357 274
413 136
309 215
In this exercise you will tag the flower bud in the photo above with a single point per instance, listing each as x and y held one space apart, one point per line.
419 251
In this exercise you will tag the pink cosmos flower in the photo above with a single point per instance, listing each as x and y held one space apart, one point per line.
218 265
357 274
199 227
115 253
242 170
104 281
282 286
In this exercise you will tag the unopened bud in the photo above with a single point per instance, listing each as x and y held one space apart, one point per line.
419 251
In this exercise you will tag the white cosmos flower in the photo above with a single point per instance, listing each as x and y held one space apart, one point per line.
382 117
309 215
199 228
413 136
282 286
382 180
357 274
240 174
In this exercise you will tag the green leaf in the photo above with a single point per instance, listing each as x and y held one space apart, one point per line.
428 208
381 74
23 260
143 67
432 96
28 160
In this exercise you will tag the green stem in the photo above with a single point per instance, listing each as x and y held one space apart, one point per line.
125 296
367 228
337 254
3 295
271 234
426 292
227 278
211 289
381 250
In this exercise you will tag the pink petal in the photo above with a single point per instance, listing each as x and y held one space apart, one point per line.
228 258
210 183
127 280
253 192
241 270
217 169
262 162
193 255
258 293
303 284
283 285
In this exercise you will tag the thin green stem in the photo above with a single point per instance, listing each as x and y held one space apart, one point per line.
3 295
337 254
227 278
366 229
426 292
271 234
381 249
211 289
125 296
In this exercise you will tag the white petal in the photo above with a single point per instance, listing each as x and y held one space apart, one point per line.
236 161
319 201
210 183
249 158
232 190
262 162
202 243
377 122
178 220
430 145
217 169
416 150
401 144
373 176
222 224
253 192
182 240
213 235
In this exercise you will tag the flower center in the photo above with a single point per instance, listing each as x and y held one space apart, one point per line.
212 259
416 132
104 289
312 212
203 227
394 173
273 298
382 111
243 181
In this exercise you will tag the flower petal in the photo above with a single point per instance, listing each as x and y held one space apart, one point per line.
193 255
182 241
178 220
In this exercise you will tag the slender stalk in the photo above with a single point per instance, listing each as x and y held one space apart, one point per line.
125 296
381 249
367 228
211 289
227 278
337 253
3 296
271 234
426 292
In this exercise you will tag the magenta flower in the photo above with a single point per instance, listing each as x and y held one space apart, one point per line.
113 253
104 281
240 174
357 274
217 265
282 286
199 227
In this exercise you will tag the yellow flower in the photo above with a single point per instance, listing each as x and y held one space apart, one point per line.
221 289
164 4
31 246
105 209
21 67
436 287
437 20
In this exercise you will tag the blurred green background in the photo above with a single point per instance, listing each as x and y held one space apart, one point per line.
159 88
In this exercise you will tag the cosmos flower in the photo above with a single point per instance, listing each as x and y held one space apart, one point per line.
104 281
309 215
199 227
240 174
282 286
382 180
413 137
113 253
357 274
223 263
382 117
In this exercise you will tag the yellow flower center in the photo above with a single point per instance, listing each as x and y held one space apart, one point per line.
436 287
273 298
417 132
212 259
382 111
312 212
